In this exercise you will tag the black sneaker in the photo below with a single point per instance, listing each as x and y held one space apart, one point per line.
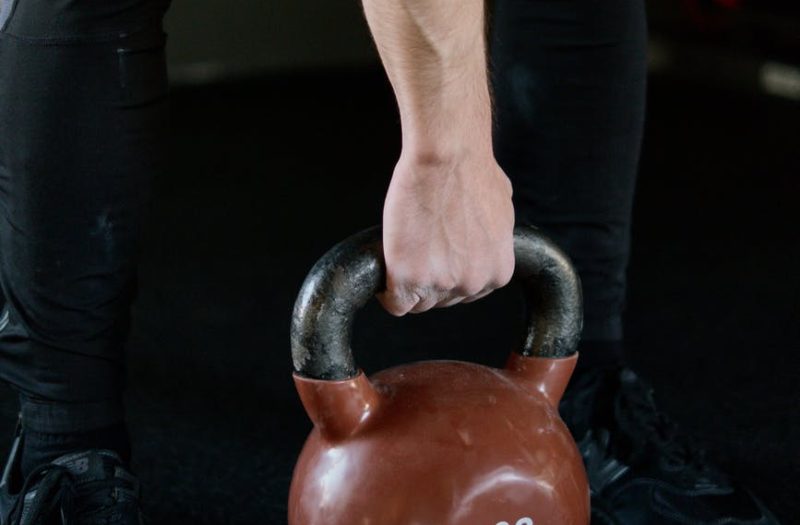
4 315
641 471
91 487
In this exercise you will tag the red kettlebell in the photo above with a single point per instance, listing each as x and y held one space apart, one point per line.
437 442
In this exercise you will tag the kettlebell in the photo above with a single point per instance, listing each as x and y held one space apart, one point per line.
436 442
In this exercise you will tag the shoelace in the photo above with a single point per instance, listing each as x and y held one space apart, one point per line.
677 449
55 494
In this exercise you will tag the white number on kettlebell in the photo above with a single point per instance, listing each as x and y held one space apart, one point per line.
521 521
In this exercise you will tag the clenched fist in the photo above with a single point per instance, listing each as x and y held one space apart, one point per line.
448 232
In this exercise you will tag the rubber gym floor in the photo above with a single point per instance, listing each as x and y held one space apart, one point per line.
266 174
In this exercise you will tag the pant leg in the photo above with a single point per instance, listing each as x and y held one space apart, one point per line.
82 117
569 89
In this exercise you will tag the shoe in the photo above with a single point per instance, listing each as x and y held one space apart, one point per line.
641 470
90 487
4 316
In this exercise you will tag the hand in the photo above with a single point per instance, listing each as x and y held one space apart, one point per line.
448 232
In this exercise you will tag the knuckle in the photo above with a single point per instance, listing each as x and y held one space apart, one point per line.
443 282
399 275
505 273
408 283
473 290
397 302
501 280
395 309
472 285
421 307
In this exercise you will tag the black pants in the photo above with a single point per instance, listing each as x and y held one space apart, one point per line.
82 120
569 87
82 117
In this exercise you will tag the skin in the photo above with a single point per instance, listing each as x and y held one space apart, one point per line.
448 218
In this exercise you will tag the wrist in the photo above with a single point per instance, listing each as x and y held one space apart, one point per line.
443 156
450 121
447 140
432 163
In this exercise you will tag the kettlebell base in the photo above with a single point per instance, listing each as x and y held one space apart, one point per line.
447 443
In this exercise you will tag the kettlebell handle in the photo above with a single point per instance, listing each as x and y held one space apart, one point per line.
353 271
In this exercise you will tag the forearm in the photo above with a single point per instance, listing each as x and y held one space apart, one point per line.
448 218
434 52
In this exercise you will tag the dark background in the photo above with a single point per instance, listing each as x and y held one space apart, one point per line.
272 165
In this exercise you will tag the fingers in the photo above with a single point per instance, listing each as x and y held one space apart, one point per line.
400 300
478 296
402 297
394 303
448 232
449 302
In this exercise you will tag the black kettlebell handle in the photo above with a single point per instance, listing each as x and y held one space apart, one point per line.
353 271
